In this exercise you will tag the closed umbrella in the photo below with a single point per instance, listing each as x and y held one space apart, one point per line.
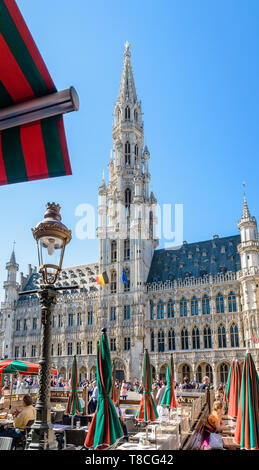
169 395
147 410
247 427
232 391
73 404
105 429
113 391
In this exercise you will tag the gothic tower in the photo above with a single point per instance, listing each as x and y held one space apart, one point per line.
11 288
249 276
127 220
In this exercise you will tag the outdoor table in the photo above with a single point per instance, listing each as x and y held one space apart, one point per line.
62 427
168 442
6 422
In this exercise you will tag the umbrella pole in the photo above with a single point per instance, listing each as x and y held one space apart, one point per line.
10 398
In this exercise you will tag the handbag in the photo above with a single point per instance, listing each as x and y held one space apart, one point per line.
215 441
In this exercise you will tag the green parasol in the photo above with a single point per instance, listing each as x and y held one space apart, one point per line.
105 429
247 428
147 410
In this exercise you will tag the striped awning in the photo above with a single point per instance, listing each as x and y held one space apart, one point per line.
38 149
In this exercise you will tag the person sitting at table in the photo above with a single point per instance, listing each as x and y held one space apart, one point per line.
21 420
214 423
123 425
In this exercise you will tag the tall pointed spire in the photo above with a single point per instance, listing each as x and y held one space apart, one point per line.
127 89
13 258
245 213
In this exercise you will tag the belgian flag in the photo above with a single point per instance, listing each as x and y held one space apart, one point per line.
102 279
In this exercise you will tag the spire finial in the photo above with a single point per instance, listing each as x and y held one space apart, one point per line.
244 185
127 47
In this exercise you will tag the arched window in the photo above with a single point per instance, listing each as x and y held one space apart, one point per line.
127 113
127 153
222 336
195 338
223 373
113 282
205 305
186 371
232 304
234 339
152 341
170 309
194 306
160 309
113 251
136 115
151 310
219 303
127 200
183 307
171 340
207 337
126 249
161 341
199 374
184 339
127 286
208 372
136 150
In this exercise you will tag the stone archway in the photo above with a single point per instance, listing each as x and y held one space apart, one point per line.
162 372
204 369
185 370
93 373
82 373
120 369
222 372
153 372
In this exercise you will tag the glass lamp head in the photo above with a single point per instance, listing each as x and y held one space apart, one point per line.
51 236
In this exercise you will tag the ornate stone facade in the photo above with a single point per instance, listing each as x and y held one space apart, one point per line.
199 302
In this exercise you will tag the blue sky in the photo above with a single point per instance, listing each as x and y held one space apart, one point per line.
196 68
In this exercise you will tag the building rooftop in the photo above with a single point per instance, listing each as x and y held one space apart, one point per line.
218 255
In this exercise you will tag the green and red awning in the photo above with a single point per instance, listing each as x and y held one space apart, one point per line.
36 150
232 391
169 399
247 427
10 366
105 429
147 410
73 404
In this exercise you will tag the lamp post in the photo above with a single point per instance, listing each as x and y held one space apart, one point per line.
52 237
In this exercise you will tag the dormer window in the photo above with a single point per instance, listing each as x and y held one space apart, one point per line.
127 113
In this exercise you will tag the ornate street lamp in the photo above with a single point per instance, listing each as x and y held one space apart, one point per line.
52 237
